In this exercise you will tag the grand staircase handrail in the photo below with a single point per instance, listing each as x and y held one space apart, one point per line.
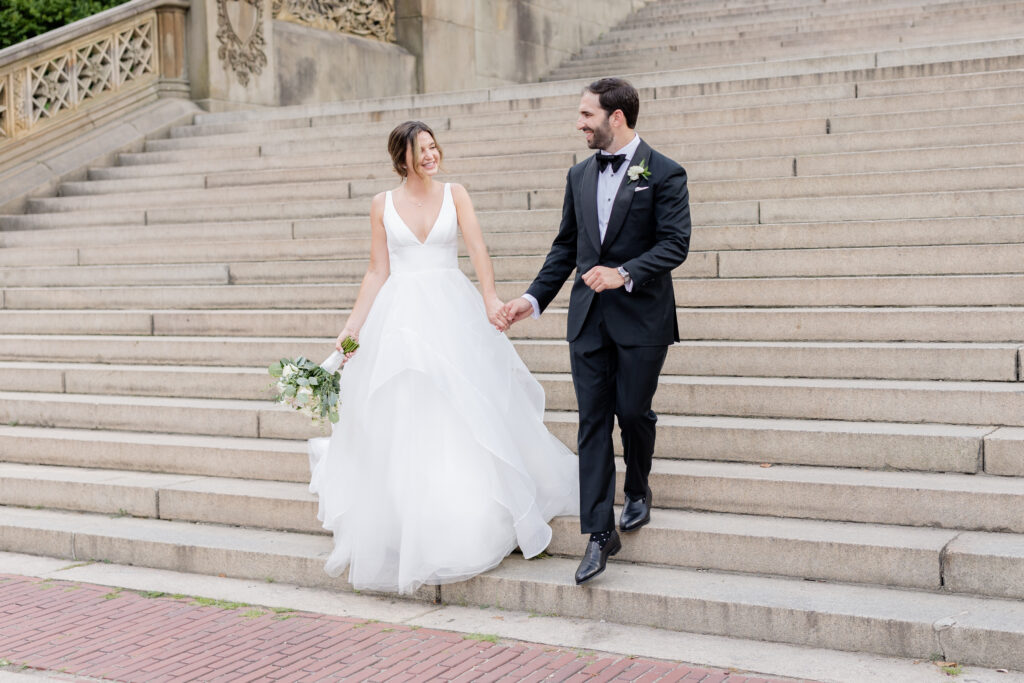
89 71
81 28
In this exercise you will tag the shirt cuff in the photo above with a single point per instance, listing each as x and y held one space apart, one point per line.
534 303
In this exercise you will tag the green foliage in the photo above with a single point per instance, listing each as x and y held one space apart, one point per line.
24 19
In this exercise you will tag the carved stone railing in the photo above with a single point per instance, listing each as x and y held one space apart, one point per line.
369 18
66 75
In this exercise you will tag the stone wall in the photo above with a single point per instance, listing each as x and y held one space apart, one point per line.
315 65
463 44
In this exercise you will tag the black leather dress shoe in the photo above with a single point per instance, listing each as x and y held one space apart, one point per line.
635 513
595 558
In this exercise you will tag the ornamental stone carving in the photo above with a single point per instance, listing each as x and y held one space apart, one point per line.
370 18
240 34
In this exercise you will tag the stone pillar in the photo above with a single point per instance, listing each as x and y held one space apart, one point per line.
231 58
442 36
173 72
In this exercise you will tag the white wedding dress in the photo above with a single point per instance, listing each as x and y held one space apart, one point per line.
440 463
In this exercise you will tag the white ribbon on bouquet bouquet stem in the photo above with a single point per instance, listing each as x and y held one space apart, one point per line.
333 362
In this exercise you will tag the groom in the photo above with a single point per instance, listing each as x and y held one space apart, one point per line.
625 227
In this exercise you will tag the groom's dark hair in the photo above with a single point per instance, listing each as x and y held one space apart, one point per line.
617 93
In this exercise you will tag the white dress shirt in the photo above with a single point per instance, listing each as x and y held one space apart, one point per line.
608 182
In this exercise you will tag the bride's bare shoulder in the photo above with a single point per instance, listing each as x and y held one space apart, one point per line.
459 192
377 204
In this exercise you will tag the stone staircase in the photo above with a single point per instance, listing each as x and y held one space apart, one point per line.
840 458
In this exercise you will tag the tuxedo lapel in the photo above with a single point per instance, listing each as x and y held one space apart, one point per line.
624 197
589 199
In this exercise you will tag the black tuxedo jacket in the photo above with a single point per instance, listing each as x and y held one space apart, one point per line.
648 234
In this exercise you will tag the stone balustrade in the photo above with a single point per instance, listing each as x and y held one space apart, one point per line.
122 56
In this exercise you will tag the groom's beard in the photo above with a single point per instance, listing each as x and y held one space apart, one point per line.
602 136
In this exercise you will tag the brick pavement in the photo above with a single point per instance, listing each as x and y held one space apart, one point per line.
98 632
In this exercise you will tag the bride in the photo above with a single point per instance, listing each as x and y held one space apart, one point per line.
440 463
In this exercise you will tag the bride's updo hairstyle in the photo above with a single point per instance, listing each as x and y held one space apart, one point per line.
401 138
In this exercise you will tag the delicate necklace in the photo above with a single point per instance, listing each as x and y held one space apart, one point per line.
411 198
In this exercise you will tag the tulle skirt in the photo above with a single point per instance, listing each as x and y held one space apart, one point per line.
440 463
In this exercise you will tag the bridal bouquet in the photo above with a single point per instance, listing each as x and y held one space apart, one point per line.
310 388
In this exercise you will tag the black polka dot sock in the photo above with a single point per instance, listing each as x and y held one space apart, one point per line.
601 537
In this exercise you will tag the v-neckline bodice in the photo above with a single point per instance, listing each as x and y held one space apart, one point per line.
433 226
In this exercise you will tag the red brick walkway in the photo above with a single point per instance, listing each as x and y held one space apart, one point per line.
99 632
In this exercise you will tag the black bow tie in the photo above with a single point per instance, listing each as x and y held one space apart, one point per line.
616 160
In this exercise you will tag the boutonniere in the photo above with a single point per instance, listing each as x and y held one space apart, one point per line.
638 171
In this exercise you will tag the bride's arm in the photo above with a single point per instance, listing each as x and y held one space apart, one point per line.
474 238
376 273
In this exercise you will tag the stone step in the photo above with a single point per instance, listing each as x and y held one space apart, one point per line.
280 453
1005 452
346 256
700 96
715 213
917 159
484 141
887 207
697 292
772 41
659 56
664 116
990 324
930 447
484 184
317 270
963 259
796 35
39 256
700 149
825 495
765 608
278 460
969 203
139 245
903 623
96 237
945 500
149 274
329 166
727 172
822 550
979 403
953 402
987 362
974 230
560 111
661 15
938 31
994 78
524 190
664 132
788 29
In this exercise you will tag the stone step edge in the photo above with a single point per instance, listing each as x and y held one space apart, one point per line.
247 554
882 537
925 385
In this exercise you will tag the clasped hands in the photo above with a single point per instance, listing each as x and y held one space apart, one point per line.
598 278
